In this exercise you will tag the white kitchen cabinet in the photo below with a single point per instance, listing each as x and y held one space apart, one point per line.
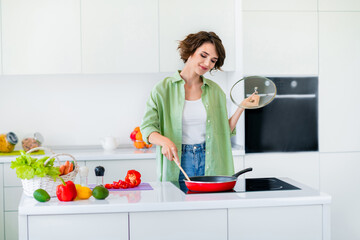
82 226
1 68
300 166
279 5
178 18
12 193
339 177
12 197
280 43
41 36
117 169
196 224
336 5
119 36
2 229
339 81
11 226
10 178
167 213
276 223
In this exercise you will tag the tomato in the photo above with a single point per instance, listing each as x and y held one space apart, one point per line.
108 186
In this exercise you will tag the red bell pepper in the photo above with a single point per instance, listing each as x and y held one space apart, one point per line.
123 184
133 178
108 186
116 185
66 191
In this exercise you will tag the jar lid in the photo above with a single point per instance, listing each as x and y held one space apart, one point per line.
38 137
12 138
84 171
99 171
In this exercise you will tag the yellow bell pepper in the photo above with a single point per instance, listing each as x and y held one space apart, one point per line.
82 192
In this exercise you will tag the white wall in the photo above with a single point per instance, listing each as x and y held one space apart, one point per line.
77 109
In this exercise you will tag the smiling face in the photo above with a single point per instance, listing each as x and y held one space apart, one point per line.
203 59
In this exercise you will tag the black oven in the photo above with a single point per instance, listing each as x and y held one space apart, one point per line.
289 123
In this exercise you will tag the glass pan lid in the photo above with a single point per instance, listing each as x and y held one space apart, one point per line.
264 91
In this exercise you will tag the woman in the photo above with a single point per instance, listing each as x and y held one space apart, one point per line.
186 114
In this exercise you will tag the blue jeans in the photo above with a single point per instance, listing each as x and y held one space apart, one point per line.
193 160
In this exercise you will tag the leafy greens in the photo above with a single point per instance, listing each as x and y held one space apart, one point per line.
28 167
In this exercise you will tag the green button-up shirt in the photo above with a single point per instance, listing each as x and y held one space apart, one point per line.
163 114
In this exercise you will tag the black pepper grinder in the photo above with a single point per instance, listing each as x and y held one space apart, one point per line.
99 172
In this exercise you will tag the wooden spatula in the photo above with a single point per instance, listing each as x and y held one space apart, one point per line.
182 170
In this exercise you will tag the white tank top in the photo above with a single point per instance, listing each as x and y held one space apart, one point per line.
193 122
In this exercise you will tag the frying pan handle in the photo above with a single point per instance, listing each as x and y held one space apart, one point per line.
242 171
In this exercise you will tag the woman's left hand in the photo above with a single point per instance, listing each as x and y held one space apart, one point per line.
252 101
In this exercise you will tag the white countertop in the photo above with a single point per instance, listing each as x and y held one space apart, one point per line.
94 153
166 197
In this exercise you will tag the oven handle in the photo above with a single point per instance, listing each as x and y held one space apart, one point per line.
286 95
296 96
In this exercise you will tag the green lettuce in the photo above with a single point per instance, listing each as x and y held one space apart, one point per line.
28 167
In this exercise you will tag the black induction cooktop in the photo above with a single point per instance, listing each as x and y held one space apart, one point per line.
267 184
251 185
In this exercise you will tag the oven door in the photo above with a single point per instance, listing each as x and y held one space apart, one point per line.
288 124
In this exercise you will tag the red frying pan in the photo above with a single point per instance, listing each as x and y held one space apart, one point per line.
212 183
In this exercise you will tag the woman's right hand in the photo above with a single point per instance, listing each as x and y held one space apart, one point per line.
169 149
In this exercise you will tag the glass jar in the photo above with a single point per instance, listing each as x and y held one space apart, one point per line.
84 172
32 142
8 142
99 173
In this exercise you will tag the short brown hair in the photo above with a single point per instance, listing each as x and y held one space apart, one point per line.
188 46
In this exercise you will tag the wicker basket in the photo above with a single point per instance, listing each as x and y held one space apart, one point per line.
47 183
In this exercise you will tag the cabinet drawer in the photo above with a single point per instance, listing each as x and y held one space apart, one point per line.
11 225
83 226
10 178
196 224
12 197
1 202
276 223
